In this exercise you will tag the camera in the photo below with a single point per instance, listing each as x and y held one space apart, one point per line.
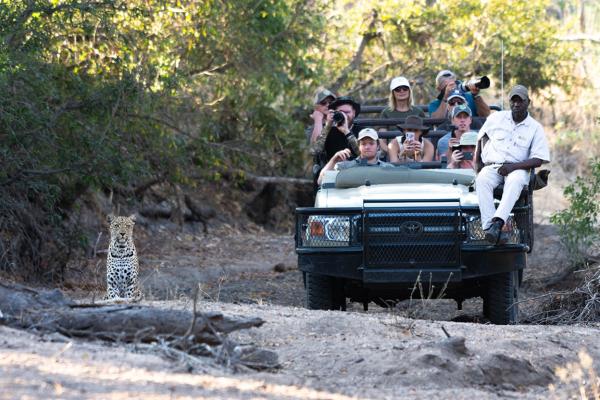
338 118
481 83
467 155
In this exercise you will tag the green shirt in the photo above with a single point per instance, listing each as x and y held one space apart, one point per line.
389 113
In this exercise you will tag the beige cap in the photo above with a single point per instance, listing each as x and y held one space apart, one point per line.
368 132
446 73
399 81
519 90
323 94
469 139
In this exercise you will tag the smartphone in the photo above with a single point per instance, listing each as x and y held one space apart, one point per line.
409 135
467 155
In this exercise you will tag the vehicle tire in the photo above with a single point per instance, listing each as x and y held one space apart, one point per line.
501 300
486 306
324 293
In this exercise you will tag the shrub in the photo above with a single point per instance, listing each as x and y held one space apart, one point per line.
578 224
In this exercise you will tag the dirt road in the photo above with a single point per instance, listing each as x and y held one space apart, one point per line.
380 354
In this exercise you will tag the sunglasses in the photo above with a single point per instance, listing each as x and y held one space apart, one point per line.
401 89
455 102
326 102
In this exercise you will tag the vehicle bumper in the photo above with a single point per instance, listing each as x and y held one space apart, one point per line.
475 262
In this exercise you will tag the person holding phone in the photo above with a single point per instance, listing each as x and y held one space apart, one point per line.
412 146
462 153
461 120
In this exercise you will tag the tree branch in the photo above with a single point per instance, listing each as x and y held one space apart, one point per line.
369 35
11 39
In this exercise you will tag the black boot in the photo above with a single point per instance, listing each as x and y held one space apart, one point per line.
493 232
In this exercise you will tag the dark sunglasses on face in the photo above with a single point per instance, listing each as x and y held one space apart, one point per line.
326 102
455 102
401 89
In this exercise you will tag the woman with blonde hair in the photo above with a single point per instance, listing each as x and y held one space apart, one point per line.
400 104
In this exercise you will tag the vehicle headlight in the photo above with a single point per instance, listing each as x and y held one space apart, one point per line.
330 230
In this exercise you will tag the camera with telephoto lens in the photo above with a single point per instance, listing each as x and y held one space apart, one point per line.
338 118
481 83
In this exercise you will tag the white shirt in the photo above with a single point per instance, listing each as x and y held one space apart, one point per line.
513 142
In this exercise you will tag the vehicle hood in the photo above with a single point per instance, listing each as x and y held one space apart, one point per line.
421 192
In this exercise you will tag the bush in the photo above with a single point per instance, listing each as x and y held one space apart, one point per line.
578 224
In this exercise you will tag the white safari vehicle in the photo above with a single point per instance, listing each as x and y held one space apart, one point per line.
375 232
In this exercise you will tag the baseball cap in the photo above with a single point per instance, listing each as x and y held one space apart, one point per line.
461 108
457 93
519 90
446 73
368 132
322 94
399 81
469 139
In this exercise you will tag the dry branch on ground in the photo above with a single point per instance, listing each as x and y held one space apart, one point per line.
580 305
195 333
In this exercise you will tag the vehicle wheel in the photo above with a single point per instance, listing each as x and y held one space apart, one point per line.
486 306
500 303
520 277
324 293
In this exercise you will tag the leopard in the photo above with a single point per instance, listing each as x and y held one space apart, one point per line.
122 264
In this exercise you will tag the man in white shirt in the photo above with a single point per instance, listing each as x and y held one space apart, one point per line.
510 143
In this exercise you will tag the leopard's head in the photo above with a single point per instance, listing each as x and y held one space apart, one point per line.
121 231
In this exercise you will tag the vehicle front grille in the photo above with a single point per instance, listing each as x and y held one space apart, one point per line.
412 238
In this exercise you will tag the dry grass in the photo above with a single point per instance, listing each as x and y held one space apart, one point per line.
581 373
578 306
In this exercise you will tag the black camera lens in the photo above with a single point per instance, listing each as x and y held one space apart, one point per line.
338 118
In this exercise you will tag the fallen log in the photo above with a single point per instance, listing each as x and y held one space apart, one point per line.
193 332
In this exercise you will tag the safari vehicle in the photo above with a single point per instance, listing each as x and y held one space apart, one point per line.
375 233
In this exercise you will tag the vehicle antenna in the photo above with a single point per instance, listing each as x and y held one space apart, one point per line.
502 72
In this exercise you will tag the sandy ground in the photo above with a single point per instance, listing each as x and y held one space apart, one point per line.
323 355
379 354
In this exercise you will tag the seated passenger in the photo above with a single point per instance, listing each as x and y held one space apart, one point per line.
400 104
367 145
462 157
337 133
321 102
411 146
461 120
446 83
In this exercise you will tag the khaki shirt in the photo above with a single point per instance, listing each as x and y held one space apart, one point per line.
511 142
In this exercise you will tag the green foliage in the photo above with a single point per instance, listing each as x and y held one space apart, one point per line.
111 94
418 38
578 224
